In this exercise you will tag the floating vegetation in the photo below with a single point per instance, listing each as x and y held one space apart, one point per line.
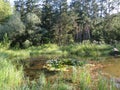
62 64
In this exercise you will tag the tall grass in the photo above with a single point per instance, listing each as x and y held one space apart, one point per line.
105 84
102 84
85 81
82 50
77 49
13 79
62 86
87 49
10 77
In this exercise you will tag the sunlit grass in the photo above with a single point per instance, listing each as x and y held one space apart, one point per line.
78 49
85 80
11 78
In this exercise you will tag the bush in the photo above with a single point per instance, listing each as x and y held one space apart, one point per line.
27 44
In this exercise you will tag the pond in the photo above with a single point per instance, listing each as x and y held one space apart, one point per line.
49 67
111 70
112 67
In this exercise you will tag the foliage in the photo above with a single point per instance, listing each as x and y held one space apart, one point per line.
112 29
20 35
5 10
27 44
33 30
63 28
32 19
13 27
61 63
60 23
6 41
25 6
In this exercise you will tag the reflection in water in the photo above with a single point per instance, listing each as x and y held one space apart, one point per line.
112 67
36 68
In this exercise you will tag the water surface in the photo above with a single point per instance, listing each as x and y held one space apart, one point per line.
112 67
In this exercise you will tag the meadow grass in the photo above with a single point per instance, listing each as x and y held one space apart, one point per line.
85 50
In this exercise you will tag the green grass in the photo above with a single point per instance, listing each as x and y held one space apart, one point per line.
89 50
85 81
105 84
12 78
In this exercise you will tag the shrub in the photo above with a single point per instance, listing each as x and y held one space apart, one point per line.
27 44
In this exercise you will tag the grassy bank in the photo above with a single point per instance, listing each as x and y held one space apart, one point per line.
13 78
84 50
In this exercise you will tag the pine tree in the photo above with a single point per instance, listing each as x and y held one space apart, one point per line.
63 26
47 20
27 6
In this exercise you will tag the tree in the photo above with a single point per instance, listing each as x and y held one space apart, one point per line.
12 27
47 21
83 10
63 23
5 10
30 15
112 28
33 28
57 22
27 6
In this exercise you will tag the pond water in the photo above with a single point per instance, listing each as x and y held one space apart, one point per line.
112 67
35 68
111 70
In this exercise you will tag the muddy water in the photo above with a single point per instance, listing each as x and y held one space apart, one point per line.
112 67
35 68
111 70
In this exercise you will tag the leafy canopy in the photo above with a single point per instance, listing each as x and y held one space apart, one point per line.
5 10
